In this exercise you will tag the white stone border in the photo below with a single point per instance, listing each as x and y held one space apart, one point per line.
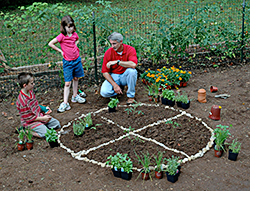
134 133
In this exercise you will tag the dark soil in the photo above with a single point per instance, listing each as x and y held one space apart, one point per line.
54 169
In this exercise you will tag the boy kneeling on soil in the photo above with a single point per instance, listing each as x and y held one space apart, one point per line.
29 109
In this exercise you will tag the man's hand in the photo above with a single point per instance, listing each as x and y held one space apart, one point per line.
110 63
117 89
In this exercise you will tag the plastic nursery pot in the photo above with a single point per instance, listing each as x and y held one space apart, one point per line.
202 96
171 103
126 176
20 147
172 178
29 145
117 173
164 101
178 103
111 109
232 156
54 144
213 89
145 176
215 112
185 105
158 175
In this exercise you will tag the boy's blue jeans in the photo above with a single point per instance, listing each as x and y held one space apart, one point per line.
128 78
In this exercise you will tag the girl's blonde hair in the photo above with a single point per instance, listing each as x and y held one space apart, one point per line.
66 21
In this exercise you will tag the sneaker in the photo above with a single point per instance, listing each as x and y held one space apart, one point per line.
78 99
63 107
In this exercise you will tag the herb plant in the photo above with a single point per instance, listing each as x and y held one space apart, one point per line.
21 134
235 146
78 128
159 161
221 134
172 165
51 135
113 102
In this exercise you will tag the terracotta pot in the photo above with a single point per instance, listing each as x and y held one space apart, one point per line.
29 145
156 99
158 175
150 97
20 147
218 153
145 176
215 112
202 96
184 84
213 89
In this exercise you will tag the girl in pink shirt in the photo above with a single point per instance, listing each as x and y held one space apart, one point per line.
72 66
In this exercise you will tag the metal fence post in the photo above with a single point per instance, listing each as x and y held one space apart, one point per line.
243 34
95 45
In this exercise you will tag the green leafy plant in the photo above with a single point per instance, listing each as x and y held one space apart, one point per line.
78 128
51 135
149 88
184 97
29 134
132 109
159 161
95 127
21 135
168 94
235 146
87 121
126 163
145 161
113 102
114 161
172 165
221 134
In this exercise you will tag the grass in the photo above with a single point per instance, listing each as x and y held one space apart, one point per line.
132 21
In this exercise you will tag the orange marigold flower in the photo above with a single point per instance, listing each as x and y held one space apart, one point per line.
180 78
189 72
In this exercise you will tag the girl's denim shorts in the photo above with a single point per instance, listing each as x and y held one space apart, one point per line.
72 69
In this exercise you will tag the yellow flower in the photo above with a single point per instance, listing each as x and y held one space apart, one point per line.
180 67
177 70
152 75
220 107
189 72
162 80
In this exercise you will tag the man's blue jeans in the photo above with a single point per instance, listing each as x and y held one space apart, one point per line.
128 78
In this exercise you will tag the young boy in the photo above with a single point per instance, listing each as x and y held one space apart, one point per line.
29 109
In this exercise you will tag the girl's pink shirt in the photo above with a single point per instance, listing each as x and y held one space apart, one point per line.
68 46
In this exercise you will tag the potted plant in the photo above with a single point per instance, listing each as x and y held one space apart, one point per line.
156 87
21 142
87 121
29 141
168 97
185 102
150 92
159 161
234 149
114 161
126 167
51 138
78 129
221 134
178 99
145 161
112 104
173 169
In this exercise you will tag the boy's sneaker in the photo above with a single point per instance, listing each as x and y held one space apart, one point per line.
63 107
78 99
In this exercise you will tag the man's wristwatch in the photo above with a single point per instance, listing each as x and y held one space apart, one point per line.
118 62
